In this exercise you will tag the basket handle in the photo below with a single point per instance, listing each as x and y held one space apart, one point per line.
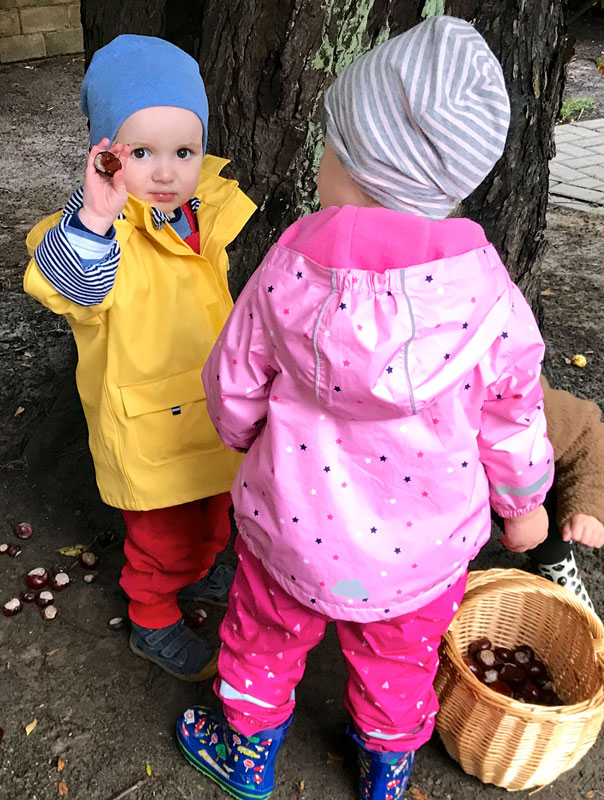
599 648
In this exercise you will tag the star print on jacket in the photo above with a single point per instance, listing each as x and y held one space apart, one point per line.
383 412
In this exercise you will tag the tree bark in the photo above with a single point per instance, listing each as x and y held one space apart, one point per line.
267 64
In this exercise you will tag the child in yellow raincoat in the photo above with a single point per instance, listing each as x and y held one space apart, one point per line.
136 262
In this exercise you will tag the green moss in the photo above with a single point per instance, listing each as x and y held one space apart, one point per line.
313 152
433 8
344 39
344 34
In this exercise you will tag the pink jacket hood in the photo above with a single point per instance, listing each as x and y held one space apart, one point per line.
382 371
414 270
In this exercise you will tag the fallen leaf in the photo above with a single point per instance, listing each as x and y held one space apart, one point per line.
590 794
579 360
148 769
416 794
31 727
301 785
63 789
73 550
334 758
20 410
546 293
60 765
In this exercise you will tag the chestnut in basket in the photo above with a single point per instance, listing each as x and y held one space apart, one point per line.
524 654
513 674
528 693
479 644
549 698
487 659
505 655
501 687
474 668
536 672
491 675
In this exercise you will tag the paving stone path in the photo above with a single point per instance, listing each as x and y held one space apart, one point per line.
577 171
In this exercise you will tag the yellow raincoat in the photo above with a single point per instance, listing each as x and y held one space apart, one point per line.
141 351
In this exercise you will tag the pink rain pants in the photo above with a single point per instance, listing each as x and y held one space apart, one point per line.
266 635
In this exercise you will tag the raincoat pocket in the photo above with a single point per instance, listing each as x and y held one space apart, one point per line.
169 419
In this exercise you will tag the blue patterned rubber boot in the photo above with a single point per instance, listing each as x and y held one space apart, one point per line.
241 765
382 776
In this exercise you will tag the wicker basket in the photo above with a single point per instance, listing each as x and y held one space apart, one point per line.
502 741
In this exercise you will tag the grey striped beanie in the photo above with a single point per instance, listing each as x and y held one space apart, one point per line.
420 120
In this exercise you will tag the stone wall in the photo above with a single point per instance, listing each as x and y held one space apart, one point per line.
38 28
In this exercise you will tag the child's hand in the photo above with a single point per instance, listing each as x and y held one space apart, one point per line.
104 196
584 529
525 532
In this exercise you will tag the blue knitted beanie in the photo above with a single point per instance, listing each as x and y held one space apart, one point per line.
134 72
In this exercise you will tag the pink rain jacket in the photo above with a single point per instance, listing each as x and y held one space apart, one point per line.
382 371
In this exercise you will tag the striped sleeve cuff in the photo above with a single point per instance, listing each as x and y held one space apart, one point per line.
89 246
84 281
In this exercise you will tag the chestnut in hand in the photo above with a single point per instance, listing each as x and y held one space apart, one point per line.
107 163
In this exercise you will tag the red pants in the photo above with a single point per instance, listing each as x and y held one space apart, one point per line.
168 548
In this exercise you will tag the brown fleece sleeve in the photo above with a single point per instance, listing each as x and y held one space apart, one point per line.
577 434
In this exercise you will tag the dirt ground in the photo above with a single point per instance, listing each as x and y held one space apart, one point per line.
583 79
108 715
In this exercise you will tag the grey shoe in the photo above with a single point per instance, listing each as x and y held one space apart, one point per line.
566 573
213 588
176 649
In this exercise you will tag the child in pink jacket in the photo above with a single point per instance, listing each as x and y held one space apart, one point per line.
381 371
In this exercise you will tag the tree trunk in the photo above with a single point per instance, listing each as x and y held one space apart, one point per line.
267 63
